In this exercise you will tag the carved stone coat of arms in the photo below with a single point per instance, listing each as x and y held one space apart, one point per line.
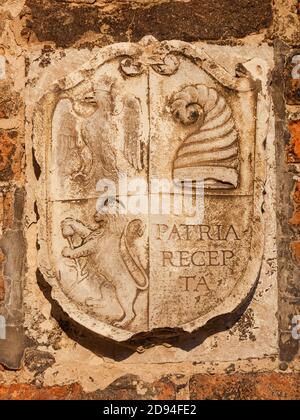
143 112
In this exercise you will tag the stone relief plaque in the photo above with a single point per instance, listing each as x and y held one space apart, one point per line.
151 111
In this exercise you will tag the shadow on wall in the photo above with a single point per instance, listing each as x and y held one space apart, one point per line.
104 347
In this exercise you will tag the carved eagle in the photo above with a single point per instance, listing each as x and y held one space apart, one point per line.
77 158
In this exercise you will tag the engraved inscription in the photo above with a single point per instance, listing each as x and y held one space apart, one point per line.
194 283
196 232
197 258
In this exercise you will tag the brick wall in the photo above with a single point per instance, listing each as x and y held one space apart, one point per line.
30 354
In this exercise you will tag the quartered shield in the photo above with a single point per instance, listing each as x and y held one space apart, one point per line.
133 114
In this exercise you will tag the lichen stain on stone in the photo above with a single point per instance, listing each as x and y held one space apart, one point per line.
245 326
38 361
9 101
293 150
45 59
65 23
7 152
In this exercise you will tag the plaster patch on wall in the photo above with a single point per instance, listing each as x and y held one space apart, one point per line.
2 68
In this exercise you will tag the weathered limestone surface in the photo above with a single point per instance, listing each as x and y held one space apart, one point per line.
151 89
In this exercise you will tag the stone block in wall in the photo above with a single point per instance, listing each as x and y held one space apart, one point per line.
127 108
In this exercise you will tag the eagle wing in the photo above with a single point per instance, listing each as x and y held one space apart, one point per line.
67 156
134 145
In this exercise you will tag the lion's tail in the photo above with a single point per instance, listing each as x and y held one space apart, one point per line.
132 261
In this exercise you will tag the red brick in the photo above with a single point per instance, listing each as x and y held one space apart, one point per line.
295 247
31 392
251 386
164 390
295 220
246 386
7 210
125 388
293 150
